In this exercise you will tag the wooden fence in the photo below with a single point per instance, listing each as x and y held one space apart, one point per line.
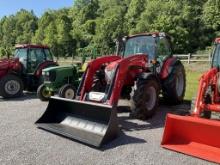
194 57
183 57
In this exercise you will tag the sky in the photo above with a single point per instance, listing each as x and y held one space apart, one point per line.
8 7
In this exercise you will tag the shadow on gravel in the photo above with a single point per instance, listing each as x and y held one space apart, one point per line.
127 124
25 96
122 139
157 121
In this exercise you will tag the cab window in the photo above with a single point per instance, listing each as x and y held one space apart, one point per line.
21 53
48 54
140 45
216 56
33 56
163 48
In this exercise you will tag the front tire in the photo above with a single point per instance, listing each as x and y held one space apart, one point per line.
43 94
144 99
67 91
11 86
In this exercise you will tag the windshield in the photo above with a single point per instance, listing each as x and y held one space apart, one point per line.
49 55
21 53
216 56
139 45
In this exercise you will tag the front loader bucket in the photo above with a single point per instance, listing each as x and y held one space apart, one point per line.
193 136
90 123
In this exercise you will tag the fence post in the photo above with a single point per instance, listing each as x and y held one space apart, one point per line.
189 56
210 57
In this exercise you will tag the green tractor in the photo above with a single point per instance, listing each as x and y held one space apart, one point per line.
64 80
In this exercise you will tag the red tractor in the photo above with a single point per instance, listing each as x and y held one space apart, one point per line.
24 70
197 134
142 68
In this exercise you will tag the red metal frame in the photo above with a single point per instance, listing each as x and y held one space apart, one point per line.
122 66
194 135
207 79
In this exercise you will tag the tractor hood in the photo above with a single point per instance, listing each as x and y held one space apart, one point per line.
135 57
8 63
113 65
56 68
59 70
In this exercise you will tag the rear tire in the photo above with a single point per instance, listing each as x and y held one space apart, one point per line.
67 91
144 98
43 94
174 85
11 86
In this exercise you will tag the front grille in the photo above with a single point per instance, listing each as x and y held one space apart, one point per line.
46 78
52 76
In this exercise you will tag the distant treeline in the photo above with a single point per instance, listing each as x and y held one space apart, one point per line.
193 24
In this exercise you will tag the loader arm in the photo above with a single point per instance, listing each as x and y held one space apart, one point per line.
205 80
137 61
91 69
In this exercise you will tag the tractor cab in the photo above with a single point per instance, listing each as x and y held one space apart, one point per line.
156 45
32 56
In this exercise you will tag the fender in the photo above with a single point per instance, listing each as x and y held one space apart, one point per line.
42 66
10 66
168 66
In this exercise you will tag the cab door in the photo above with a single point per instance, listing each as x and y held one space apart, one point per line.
163 52
36 57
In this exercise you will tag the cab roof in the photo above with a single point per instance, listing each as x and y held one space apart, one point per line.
156 34
31 46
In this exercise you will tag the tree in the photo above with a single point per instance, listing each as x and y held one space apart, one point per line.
97 23
211 16
84 14
25 26
132 17
180 19
109 24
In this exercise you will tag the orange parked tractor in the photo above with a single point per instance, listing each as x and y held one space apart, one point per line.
142 68
197 134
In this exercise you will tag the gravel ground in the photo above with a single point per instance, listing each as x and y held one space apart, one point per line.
139 142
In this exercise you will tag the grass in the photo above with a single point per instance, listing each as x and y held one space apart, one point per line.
193 73
192 81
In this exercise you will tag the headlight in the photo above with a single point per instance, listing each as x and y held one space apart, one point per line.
47 73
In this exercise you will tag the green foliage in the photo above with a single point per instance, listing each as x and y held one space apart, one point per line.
211 15
193 24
